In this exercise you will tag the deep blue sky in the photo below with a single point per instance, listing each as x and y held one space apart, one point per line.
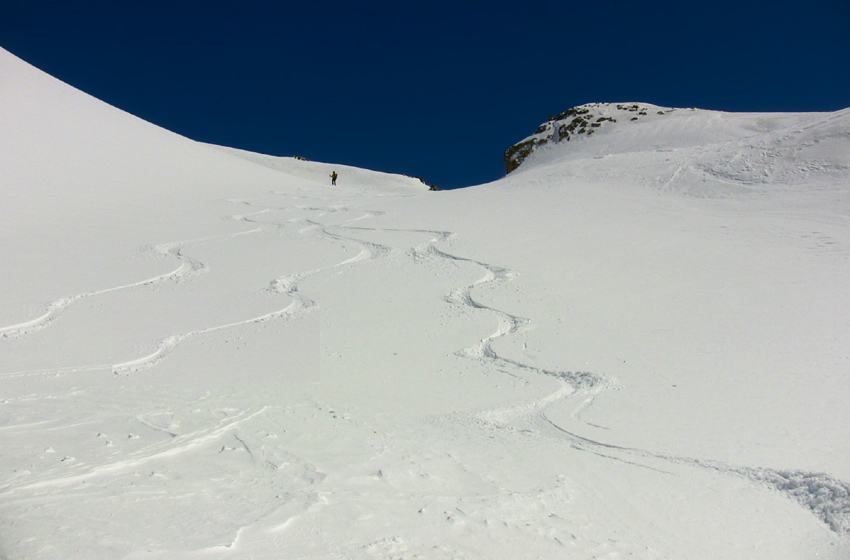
429 88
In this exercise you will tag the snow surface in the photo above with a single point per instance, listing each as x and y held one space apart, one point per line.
635 346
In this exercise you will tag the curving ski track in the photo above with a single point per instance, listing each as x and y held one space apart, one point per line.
287 285
826 497
189 268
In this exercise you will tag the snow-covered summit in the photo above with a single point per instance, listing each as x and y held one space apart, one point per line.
741 148
576 124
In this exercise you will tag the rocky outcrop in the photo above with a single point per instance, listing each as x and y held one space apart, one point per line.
576 123
517 153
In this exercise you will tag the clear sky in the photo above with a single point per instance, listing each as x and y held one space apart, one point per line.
434 89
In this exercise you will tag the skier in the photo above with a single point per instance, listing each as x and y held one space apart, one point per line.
333 178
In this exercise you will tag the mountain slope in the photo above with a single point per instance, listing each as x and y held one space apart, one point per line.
351 177
210 353
706 153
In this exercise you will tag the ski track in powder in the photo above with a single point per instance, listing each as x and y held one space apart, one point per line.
826 497
287 285
189 268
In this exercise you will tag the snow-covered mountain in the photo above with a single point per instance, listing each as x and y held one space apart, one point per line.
634 345
694 150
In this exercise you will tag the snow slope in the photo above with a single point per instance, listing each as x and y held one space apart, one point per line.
704 153
632 346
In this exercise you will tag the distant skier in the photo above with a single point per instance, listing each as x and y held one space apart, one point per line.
333 178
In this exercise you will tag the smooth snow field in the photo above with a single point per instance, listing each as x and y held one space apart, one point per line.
636 345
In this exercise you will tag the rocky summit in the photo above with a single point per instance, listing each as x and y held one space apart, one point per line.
579 123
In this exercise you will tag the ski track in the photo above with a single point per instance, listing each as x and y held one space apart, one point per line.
826 497
287 285
189 268
509 324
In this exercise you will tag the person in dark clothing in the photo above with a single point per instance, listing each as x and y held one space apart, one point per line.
333 178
